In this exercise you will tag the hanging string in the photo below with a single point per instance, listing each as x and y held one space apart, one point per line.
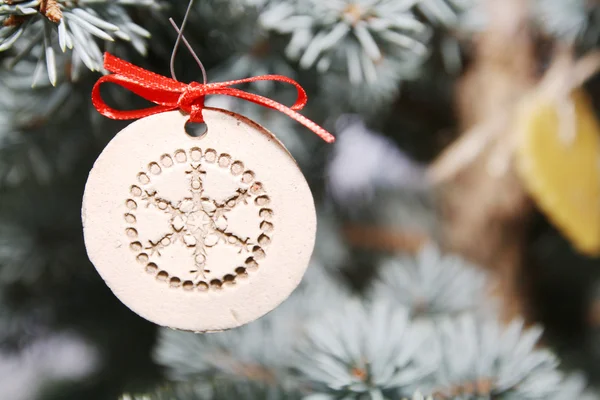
180 38
170 94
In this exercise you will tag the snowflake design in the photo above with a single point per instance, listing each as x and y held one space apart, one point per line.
197 221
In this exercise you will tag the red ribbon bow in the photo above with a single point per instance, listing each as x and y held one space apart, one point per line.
170 94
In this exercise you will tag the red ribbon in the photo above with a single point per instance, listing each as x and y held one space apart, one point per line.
169 94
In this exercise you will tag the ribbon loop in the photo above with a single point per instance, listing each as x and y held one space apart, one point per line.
169 94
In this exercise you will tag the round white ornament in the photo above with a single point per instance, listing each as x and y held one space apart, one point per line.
198 233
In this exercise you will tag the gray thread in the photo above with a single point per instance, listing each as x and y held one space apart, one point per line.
181 37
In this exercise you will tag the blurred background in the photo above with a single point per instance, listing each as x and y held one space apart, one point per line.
458 210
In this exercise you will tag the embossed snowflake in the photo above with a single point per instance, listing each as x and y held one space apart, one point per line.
197 221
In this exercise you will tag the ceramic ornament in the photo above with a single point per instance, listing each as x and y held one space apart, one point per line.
198 233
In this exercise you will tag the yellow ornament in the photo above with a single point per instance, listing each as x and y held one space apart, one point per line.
558 158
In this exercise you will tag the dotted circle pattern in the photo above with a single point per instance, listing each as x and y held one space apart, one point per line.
140 193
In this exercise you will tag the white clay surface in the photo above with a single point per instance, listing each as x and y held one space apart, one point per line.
199 234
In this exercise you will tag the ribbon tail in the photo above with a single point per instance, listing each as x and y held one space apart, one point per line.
313 126
265 101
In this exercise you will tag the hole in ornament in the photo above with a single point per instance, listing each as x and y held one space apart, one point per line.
210 155
197 185
180 156
229 279
256 188
216 284
143 178
132 205
142 258
130 218
166 160
266 213
266 227
251 264
162 276
264 240
224 160
202 286
262 200
151 268
188 285
136 191
132 233
258 253
174 282
196 154
196 129
237 168
248 177
154 168
135 246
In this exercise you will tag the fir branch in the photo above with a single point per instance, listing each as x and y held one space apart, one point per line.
231 25
256 355
456 20
480 358
70 25
39 139
446 13
351 36
575 21
366 96
432 284
364 351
